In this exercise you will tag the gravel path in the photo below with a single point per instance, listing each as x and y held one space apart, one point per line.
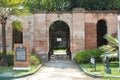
59 70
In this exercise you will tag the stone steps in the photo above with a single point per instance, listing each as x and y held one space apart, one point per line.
59 57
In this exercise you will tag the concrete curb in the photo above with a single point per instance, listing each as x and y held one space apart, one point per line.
22 75
97 76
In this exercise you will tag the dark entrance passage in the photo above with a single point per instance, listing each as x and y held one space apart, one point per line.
17 37
59 38
101 31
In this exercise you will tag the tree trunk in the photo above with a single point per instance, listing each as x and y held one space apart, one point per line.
4 60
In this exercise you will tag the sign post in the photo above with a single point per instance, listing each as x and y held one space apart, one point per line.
92 62
107 69
21 57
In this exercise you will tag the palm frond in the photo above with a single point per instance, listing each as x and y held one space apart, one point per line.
13 7
113 41
13 2
4 3
111 55
17 25
20 12
10 3
107 48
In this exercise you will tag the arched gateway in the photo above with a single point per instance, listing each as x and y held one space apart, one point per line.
77 31
59 38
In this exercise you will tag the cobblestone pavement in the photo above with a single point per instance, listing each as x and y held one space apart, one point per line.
59 70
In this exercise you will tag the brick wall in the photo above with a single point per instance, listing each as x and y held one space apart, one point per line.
82 27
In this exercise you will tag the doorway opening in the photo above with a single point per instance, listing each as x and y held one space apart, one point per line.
59 39
101 31
17 37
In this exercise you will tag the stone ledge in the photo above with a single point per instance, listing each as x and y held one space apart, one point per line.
21 68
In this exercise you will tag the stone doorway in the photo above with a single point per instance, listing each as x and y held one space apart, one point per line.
59 39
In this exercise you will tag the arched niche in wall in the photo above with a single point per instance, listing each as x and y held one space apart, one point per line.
101 31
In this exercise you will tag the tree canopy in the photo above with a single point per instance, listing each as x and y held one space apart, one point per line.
68 5
99 4
49 5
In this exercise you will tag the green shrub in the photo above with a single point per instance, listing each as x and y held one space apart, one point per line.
97 53
114 64
10 56
35 60
84 56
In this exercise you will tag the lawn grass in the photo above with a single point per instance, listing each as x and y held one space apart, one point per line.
5 69
100 70
21 72
16 72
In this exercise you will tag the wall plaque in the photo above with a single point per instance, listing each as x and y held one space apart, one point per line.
21 53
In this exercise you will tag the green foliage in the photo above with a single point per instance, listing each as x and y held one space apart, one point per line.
35 60
97 53
116 4
107 48
7 8
67 5
33 5
111 48
0 54
17 25
113 56
10 3
49 5
84 56
112 41
100 70
114 64
10 56
99 4
12 7
56 5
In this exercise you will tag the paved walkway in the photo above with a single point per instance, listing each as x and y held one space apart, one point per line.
59 70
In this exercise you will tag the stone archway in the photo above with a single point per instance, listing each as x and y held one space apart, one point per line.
59 38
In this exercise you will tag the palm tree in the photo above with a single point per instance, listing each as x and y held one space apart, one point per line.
111 48
112 44
7 8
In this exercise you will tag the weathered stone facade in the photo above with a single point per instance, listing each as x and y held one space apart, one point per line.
82 25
